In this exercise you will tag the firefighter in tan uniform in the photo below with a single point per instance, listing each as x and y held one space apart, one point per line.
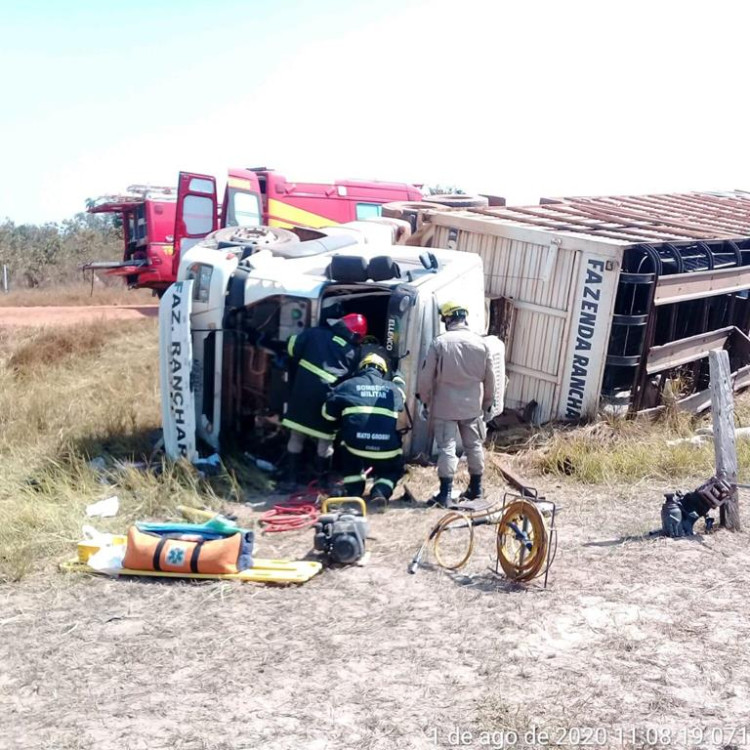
457 385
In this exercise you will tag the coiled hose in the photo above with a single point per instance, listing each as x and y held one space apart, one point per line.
522 540
299 511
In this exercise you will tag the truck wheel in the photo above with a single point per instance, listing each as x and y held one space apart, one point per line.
457 200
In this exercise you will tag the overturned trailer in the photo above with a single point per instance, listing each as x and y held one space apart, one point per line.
609 300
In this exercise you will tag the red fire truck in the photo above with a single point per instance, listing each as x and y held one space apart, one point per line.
160 223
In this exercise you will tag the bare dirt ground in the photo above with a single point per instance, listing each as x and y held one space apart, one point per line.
70 315
637 642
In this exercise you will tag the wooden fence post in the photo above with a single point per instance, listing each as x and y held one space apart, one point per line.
725 446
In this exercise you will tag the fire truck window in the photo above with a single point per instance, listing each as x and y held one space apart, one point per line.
140 224
367 211
132 238
198 213
201 186
245 210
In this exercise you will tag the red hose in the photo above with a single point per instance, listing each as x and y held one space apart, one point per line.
300 511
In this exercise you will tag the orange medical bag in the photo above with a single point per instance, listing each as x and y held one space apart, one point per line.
187 553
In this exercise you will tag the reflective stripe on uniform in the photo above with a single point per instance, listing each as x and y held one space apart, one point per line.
369 410
340 341
353 478
322 374
386 482
290 344
306 430
326 415
373 454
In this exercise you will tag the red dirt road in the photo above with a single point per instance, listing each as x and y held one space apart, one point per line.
60 316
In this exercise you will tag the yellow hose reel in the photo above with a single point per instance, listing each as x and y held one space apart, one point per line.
523 541
525 538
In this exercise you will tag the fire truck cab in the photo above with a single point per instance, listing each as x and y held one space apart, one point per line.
161 223
288 204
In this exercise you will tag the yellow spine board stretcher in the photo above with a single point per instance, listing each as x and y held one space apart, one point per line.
263 571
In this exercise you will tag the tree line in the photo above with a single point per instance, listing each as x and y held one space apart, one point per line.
52 253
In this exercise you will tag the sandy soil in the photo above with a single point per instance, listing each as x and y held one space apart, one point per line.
634 635
57 316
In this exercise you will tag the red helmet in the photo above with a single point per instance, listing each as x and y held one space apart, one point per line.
356 323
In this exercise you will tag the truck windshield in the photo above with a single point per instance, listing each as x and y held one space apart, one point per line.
243 209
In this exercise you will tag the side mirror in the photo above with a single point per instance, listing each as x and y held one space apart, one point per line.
429 261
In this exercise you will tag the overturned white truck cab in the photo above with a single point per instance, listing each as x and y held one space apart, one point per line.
244 283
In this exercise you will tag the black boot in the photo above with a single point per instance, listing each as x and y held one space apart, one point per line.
474 491
322 471
290 481
377 498
443 497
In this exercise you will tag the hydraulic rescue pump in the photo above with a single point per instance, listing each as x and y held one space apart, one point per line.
340 534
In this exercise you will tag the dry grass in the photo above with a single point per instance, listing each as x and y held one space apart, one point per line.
68 395
621 450
103 380
54 346
114 293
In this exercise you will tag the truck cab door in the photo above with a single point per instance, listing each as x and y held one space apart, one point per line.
241 206
196 214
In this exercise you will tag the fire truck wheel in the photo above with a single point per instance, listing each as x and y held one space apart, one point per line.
457 200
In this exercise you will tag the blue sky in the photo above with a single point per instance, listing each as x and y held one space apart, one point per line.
520 99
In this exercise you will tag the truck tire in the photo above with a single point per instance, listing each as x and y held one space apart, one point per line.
458 200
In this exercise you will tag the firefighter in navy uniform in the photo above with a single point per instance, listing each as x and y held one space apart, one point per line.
322 356
364 410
